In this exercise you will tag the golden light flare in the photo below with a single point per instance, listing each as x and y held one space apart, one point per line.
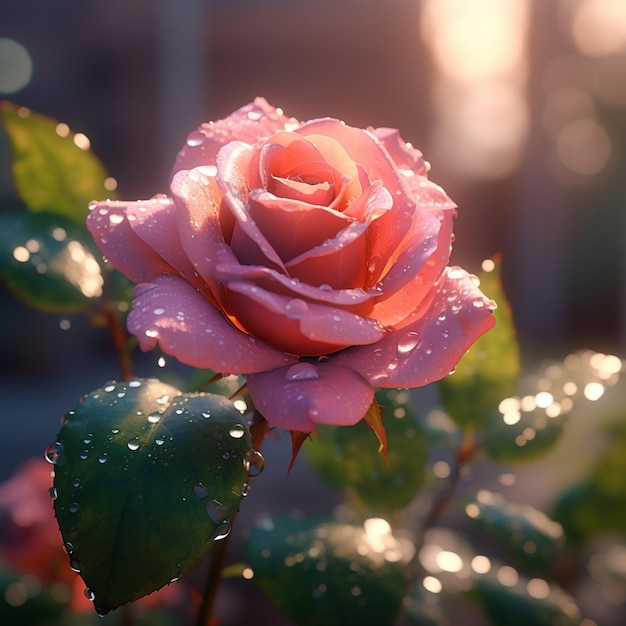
479 50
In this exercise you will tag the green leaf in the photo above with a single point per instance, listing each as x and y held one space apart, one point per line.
531 537
45 260
146 480
347 457
51 173
489 371
321 571
529 424
523 602
597 506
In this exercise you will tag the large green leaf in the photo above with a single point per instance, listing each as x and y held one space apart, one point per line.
321 571
45 260
490 369
597 506
346 457
532 538
146 480
529 424
51 173
511 600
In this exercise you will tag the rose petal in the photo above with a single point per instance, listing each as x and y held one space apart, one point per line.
295 326
303 395
248 124
354 300
155 222
430 345
404 155
199 224
109 226
293 227
170 312
424 256
340 262
321 194
248 242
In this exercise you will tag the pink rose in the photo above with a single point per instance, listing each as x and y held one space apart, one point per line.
310 257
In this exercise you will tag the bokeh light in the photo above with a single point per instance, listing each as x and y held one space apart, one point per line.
16 66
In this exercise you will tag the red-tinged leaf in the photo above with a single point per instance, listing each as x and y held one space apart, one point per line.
297 439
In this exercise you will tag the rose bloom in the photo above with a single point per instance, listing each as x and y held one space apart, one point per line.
311 257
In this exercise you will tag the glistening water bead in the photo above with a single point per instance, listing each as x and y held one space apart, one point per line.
54 452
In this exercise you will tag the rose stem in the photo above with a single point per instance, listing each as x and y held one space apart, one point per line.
218 561
120 340
466 450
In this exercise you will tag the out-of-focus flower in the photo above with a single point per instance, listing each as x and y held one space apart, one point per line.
311 257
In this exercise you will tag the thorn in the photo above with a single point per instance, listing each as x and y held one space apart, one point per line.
297 439
374 419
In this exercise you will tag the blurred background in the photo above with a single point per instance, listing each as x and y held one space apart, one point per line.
519 105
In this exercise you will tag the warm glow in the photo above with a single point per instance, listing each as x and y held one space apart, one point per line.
479 49
599 27
584 147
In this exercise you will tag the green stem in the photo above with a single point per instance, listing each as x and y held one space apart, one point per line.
218 561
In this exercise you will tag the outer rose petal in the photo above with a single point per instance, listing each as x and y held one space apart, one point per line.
248 124
111 230
430 345
301 396
404 155
296 326
170 312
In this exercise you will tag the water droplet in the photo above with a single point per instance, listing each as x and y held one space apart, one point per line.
196 138
253 463
52 492
296 309
89 594
245 490
302 371
226 456
87 439
103 458
73 507
237 431
54 452
133 445
200 490
222 531
407 344
155 417
76 482
159 441
69 547
84 454
75 565
216 511
206 414
134 383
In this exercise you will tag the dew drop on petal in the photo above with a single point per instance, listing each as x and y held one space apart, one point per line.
407 344
302 371
216 511
296 309
52 492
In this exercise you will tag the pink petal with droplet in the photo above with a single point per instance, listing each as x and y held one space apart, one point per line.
249 124
355 300
432 341
248 242
197 199
405 156
155 222
301 396
109 226
295 326
170 312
